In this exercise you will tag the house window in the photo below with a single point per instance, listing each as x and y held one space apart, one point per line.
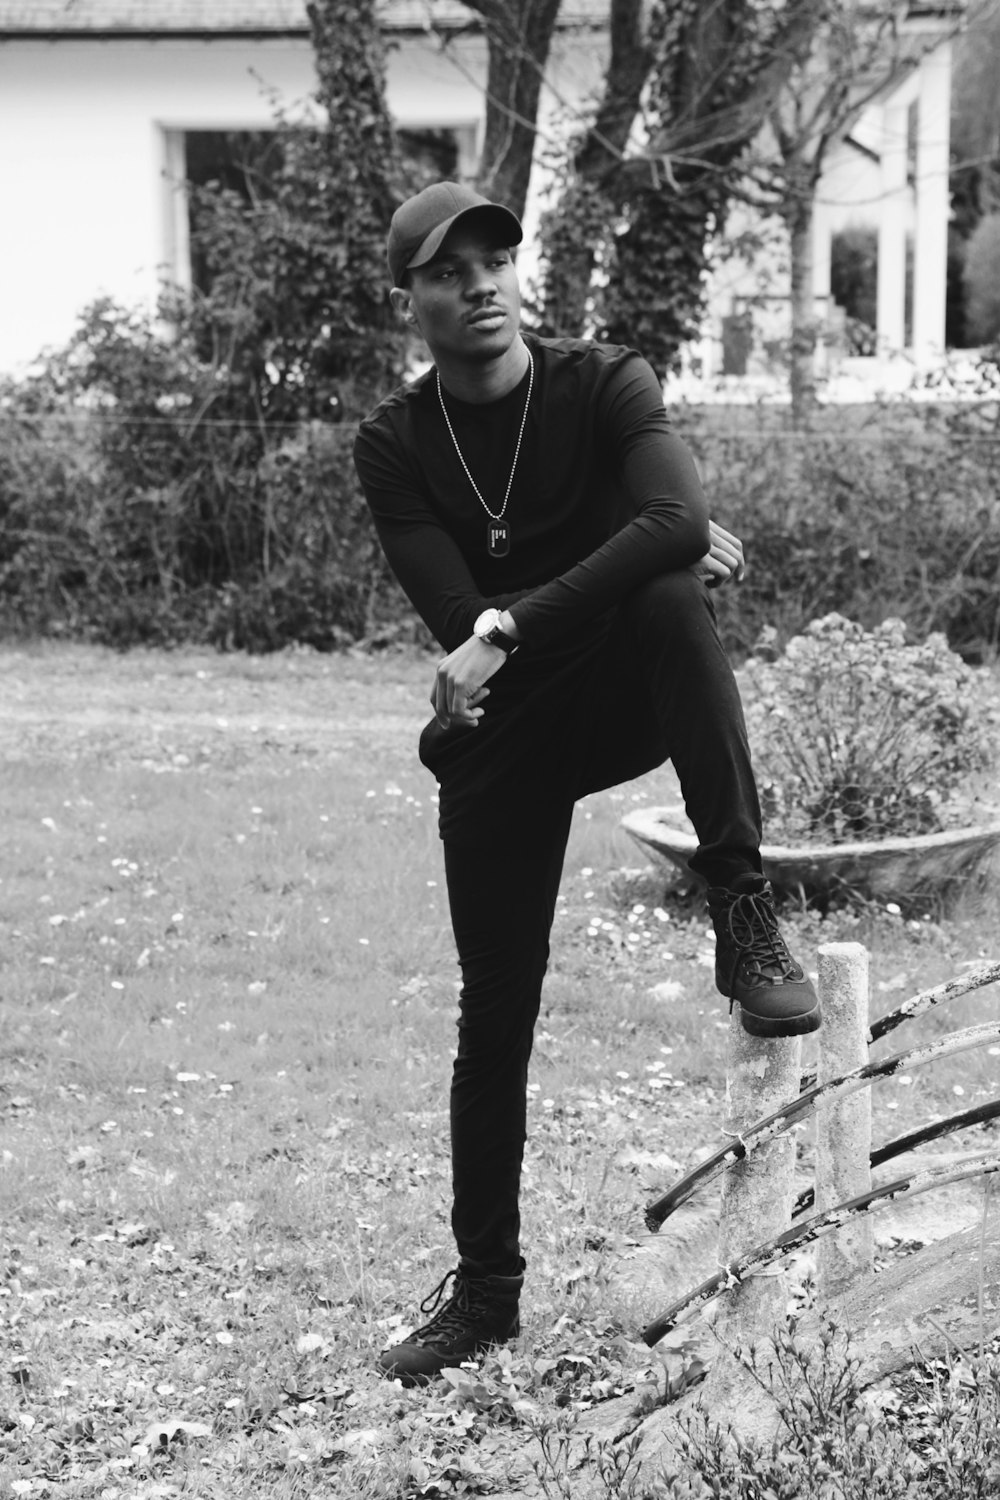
854 284
242 161
430 155
246 161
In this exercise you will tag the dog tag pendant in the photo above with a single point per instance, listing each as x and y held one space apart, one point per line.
498 538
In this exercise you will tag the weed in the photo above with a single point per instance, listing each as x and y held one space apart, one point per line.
839 1442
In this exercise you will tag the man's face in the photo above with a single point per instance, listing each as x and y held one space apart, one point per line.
466 301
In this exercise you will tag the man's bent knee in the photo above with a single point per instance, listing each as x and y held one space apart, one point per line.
673 599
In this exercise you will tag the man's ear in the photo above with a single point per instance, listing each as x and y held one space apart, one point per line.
402 300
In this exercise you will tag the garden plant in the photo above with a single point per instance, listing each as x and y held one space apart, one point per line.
858 734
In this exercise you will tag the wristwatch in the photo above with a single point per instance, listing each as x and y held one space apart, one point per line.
487 628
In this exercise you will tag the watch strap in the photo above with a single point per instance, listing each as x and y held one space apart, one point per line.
495 637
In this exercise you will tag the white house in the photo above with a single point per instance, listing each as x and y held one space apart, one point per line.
889 178
103 105
892 173
101 101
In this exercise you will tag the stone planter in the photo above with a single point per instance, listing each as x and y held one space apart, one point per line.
899 869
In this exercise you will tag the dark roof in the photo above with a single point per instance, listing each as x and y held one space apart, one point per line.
106 18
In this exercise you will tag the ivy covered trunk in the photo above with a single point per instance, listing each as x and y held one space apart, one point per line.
626 248
572 236
359 165
656 273
519 34
575 232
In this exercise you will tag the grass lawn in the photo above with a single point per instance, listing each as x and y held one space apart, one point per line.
228 1007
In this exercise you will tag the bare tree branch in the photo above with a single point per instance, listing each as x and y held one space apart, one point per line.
519 34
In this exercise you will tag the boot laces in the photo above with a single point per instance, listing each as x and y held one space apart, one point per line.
454 1318
753 927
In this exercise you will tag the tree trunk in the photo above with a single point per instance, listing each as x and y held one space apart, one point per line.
354 189
573 231
519 36
804 324
713 69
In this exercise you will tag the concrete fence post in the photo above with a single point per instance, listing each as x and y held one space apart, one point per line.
843 1130
757 1195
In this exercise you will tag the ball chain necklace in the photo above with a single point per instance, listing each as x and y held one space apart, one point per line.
498 530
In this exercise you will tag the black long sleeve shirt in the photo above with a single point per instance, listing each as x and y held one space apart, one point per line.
604 495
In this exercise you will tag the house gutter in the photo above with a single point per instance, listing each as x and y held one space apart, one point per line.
148 34
179 34
247 33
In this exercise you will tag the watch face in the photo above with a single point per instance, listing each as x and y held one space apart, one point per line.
489 628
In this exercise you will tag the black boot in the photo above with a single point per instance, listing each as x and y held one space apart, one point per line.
480 1311
753 967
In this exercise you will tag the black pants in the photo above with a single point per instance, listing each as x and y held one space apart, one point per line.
656 686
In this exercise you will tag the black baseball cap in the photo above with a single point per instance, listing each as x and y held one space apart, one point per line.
419 225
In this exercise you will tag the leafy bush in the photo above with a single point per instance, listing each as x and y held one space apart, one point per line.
151 492
49 485
869 513
139 505
322 580
857 735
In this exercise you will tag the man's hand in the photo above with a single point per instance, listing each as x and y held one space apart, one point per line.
459 683
723 561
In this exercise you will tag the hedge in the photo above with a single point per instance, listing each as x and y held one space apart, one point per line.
161 534
872 513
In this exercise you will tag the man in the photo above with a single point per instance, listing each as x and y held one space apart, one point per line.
552 533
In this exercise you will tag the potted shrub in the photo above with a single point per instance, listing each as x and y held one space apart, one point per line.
870 754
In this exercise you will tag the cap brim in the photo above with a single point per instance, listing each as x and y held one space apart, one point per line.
508 226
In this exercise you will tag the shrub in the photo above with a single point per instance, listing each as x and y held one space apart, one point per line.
322 579
136 507
49 486
857 735
870 513
142 501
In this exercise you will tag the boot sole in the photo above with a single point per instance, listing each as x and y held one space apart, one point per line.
392 1369
778 1026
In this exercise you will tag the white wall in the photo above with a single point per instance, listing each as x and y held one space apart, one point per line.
85 134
